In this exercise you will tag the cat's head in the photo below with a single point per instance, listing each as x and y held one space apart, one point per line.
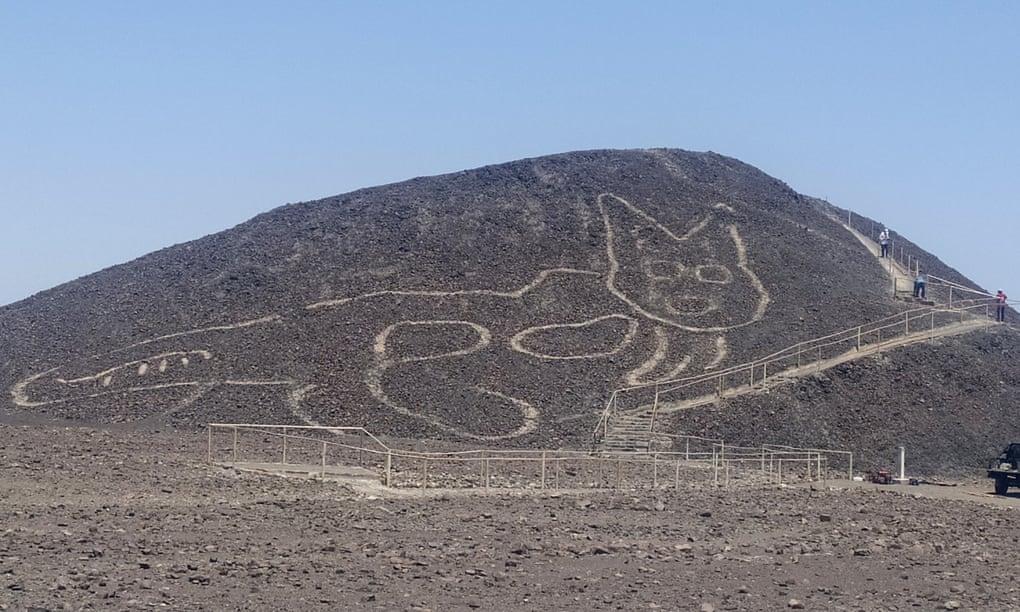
698 279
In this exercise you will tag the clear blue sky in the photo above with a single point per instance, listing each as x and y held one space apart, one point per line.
130 126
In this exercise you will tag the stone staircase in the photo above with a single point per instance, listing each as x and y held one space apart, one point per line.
633 433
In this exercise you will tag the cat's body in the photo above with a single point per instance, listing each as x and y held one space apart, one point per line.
658 307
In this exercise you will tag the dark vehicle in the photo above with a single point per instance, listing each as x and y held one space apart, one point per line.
1006 469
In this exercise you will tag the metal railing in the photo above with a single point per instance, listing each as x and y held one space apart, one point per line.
311 451
916 325
306 445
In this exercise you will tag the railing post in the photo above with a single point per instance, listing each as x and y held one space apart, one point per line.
906 323
858 338
234 459
655 470
285 449
950 296
389 468
208 458
752 374
764 373
543 471
715 465
655 408
323 459
933 326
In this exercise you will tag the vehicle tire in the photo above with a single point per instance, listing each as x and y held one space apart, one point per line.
1001 485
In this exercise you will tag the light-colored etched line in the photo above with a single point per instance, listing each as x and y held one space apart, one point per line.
516 342
721 351
294 401
636 376
675 372
21 399
614 269
699 273
373 380
529 414
516 293
201 330
141 364
484 338
764 297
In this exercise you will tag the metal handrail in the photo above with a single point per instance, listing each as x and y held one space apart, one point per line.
858 335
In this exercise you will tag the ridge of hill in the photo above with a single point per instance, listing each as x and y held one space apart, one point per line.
501 306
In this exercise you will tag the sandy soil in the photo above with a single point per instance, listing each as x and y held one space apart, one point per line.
120 520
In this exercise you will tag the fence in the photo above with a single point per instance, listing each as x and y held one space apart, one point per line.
314 451
786 362
305 445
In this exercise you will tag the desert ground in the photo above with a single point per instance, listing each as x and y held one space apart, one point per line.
131 520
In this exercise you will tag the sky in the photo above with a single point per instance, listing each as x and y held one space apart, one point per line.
127 127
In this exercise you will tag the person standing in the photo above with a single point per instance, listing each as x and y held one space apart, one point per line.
919 284
883 239
1000 306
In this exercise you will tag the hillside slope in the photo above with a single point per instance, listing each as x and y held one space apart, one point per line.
500 305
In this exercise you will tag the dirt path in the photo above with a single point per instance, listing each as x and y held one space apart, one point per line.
899 276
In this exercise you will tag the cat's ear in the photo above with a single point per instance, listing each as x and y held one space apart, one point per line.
696 279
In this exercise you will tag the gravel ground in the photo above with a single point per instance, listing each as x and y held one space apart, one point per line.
122 520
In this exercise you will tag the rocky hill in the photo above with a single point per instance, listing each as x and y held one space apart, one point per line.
501 306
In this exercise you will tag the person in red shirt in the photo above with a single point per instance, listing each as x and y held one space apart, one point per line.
1000 306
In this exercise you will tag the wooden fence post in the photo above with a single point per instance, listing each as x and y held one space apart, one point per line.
389 468
655 470
542 486
323 459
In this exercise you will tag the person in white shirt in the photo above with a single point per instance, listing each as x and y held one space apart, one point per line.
883 239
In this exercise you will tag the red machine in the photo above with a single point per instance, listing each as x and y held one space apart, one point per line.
880 477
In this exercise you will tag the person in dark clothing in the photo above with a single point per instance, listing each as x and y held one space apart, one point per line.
920 281
1000 306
